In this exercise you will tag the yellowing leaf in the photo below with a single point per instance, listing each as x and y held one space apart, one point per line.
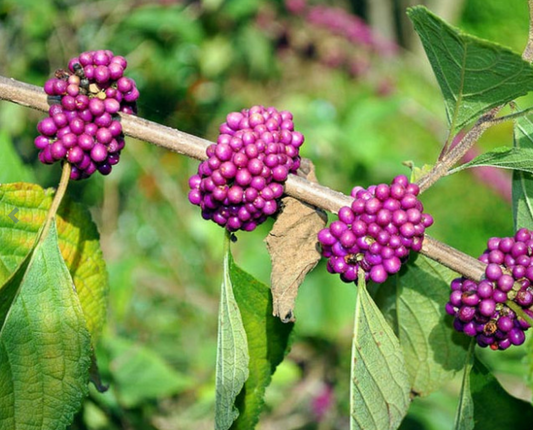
77 237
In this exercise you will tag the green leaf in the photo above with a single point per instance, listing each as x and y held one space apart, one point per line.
494 408
12 169
140 374
523 181
379 390
474 75
232 352
414 302
78 242
505 158
464 418
10 289
268 342
44 347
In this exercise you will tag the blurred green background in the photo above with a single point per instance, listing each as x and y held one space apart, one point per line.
366 102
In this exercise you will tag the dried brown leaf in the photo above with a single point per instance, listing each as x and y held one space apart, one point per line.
293 247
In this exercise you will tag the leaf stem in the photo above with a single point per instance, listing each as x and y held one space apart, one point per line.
510 117
58 197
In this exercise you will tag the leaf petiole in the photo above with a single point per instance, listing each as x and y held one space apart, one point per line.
58 197
510 117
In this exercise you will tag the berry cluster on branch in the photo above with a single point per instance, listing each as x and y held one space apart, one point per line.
482 309
83 127
375 233
241 182
295 186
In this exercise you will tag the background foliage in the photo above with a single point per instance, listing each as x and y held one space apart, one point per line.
365 108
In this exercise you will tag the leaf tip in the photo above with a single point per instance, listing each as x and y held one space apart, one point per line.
414 10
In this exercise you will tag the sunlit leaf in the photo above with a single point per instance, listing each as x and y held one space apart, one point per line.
44 347
433 351
523 181
379 385
474 75
268 342
414 302
232 352
78 242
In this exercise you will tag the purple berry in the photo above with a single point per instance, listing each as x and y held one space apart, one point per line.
486 307
505 323
75 155
493 272
524 298
517 336
378 274
57 150
41 142
47 127
499 296
125 85
485 289
466 313
99 153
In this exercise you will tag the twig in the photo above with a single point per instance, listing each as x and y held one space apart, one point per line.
451 158
192 146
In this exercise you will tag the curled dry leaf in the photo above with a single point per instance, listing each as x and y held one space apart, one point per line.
293 247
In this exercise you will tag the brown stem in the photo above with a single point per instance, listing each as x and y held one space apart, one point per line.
453 156
192 146
453 259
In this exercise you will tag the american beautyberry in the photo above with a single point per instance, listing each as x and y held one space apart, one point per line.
83 127
376 233
241 182
506 280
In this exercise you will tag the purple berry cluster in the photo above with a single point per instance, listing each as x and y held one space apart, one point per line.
83 127
376 232
481 308
241 182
